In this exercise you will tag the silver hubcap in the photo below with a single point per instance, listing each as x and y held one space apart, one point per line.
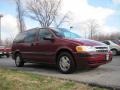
17 60
64 63
114 52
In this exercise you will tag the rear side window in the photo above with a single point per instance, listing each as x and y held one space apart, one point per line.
116 41
20 38
30 36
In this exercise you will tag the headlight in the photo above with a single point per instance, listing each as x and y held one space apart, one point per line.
85 48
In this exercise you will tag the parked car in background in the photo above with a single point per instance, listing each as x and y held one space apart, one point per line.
59 47
5 51
114 46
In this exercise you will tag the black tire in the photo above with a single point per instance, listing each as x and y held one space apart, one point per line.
19 61
7 55
69 59
114 52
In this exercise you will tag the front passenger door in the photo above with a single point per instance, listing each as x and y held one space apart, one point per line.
46 46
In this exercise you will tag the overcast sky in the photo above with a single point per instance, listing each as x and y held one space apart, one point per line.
105 12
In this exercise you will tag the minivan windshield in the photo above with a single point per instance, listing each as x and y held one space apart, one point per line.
64 33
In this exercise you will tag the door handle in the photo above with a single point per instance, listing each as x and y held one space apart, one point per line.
32 44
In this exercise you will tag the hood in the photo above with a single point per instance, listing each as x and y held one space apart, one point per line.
88 42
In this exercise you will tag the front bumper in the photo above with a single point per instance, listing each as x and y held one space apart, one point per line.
4 53
92 59
1 53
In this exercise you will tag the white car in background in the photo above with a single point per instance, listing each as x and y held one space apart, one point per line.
114 46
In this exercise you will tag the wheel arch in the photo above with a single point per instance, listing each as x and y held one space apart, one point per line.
15 53
64 50
114 49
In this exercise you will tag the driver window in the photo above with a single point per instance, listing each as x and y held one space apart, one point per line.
44 33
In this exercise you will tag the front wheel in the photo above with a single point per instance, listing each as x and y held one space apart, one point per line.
65 63
7 55
19 61
114 52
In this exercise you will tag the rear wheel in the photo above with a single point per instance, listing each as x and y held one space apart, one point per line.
19 61
65 63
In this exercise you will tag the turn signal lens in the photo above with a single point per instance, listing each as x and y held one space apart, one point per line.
85 48
79 49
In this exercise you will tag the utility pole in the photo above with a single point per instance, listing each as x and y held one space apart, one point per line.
0 27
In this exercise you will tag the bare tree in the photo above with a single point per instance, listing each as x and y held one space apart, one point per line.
43 11
59 21
92 27
115 35
20 15
83 27
8 42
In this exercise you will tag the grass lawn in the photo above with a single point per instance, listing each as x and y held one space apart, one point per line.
19 80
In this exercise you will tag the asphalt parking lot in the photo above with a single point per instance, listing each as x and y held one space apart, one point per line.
106 75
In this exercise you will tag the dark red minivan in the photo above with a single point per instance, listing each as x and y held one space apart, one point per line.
60 47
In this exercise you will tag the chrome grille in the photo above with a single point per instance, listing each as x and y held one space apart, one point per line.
102 49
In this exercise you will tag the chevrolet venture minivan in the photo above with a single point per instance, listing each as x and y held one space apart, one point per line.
60 47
